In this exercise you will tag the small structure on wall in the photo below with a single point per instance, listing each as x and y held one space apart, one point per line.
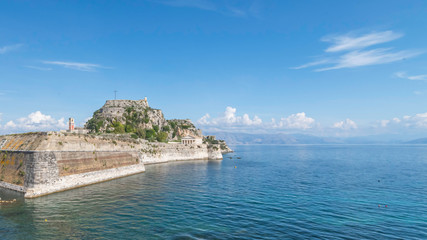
70 124
73 129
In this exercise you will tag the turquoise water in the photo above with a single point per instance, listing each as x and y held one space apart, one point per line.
272 192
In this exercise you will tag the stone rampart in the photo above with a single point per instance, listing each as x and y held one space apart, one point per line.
39 164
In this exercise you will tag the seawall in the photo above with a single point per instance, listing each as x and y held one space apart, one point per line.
42 163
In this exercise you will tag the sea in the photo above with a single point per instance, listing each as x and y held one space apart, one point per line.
257 192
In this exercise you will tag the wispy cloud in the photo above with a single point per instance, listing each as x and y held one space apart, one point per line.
403 75
39 68
9 48
355 54
311 64
229 8
369 57
351 42
201 4
87 67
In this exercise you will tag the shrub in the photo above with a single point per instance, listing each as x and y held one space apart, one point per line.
140 133
150 134
166 128
162 137
129 128
156 128
118 127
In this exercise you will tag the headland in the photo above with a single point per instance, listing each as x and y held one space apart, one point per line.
119 140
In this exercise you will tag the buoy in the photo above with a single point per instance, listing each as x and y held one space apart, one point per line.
45 220
235 166
379 205
386 206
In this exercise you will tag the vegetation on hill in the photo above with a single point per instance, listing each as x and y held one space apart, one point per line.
140 122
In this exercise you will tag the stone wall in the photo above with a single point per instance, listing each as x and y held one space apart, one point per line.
12 167
52 162
75 162
166 152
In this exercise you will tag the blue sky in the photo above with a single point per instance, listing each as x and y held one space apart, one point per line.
335 68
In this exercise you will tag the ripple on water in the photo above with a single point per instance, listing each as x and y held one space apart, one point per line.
277 192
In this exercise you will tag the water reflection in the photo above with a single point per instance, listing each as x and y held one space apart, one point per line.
276 192
88 211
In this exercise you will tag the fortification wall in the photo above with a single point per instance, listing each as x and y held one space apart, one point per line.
75 162
39 164
12 167
38 173
50 172
166 152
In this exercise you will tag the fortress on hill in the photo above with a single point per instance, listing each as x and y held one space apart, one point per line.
119 140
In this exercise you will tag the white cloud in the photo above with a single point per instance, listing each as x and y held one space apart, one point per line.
39 68
10 125
9 48
370 57
418 120
229 118
295 121
351 42
354 54
87 67
346 124
403 75
35 121
384 123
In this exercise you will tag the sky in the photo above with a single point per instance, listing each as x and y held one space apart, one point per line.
326 68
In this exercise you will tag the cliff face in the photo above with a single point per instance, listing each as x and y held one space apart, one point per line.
137 118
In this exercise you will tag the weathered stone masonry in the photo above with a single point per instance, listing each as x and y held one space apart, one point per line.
45 164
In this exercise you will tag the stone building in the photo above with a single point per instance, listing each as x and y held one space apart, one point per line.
191 140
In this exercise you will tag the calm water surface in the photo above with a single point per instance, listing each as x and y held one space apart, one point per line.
271 192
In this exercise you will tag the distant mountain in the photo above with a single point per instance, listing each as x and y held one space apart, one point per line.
417 141
282 138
